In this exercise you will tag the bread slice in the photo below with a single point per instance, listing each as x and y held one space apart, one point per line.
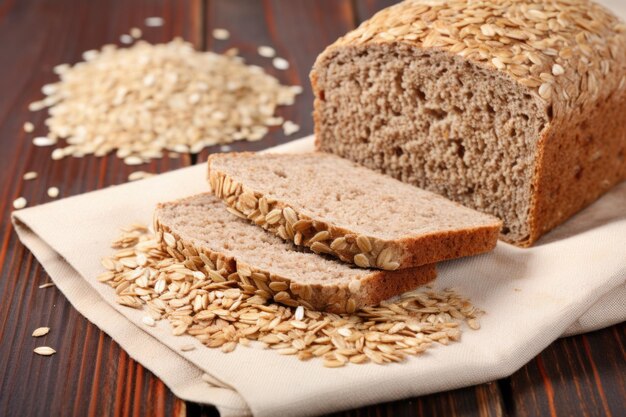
200 230
337 207
503 106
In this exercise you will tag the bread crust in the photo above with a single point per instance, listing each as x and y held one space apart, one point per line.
343 298
579 160
343 243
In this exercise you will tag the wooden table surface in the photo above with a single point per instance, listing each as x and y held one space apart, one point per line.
91 375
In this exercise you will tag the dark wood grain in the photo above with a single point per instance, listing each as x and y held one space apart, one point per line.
90 374
582 375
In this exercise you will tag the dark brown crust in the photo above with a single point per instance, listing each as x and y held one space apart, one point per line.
450 245
578 160
407 252
384 285
374 288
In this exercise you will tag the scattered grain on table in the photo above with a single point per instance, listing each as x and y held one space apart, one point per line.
135 33
44 141
166 97
220 34
139 175
47 285
154 21
41 331
19 203
44 351
280 63
266 51
29 127
289 128
201 299
126 39
53 192
30 175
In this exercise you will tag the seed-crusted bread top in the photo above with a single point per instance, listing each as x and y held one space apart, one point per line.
202 225
565 52
337 207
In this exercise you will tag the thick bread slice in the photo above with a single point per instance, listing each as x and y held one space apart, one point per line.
337 207
199 229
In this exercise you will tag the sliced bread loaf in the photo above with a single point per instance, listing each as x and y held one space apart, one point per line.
514 108
199 229
337 207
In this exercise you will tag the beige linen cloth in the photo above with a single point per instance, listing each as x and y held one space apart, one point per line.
572 281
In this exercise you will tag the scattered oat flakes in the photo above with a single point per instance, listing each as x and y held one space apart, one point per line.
44 351
90 55
154 21
225 148
222 311
47 285
289 128
135 33
296 89
19 203
139 175
221 34
266 51
280 63
187 348
473 324
58 154
48 89
40 331
148 321
133 160
61 68
126 39
53 192
30 175
44 141
29 127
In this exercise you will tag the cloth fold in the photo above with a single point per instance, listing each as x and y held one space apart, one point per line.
573 281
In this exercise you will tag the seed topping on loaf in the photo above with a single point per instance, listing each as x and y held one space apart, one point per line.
560 48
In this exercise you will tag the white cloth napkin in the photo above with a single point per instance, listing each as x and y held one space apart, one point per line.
572 281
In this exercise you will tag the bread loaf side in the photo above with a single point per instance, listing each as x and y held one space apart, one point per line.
514 108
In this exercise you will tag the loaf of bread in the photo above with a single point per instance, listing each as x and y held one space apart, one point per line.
339 208
199 229
514 108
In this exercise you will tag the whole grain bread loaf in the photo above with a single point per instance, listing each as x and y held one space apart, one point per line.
339 208
199 229
513 107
